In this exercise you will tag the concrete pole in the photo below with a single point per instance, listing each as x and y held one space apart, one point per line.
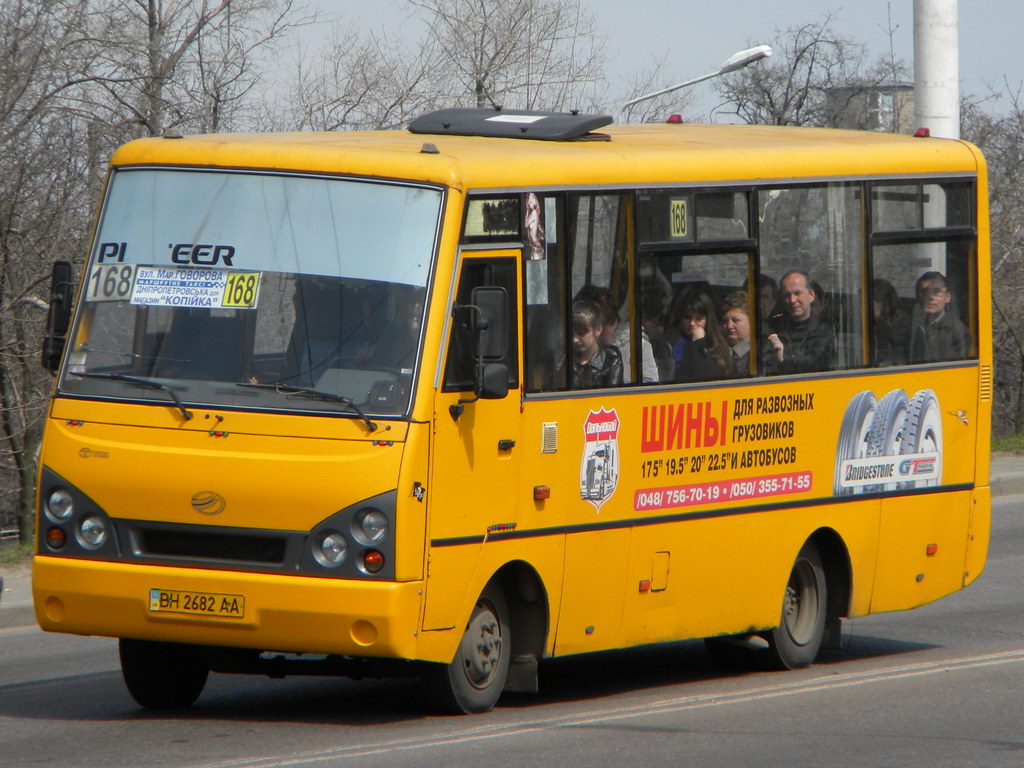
937 67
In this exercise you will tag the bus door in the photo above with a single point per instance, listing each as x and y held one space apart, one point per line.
476 436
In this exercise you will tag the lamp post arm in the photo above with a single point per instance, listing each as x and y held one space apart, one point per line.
671 88
738 60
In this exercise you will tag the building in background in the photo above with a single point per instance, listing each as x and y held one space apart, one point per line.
872 107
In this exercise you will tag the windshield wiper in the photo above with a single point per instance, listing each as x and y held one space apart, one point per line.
288 389
141 382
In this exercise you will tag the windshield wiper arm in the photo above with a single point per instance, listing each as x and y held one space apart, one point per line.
141 382
288 389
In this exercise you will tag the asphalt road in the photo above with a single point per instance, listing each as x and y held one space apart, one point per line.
938 686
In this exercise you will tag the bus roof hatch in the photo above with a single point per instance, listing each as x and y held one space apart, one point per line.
512 124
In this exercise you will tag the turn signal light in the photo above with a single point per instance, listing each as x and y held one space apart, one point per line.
373 561
56 538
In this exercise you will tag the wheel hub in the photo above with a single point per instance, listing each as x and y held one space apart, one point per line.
482 649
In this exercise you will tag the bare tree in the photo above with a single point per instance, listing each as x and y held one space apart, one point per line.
351 83
43 55
793 86
1001 138
180 64
78 77
528 54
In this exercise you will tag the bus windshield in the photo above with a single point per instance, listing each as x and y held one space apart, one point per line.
255 290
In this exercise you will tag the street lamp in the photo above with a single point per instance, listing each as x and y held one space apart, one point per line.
738 60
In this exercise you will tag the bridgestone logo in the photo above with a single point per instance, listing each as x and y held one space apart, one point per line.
873 472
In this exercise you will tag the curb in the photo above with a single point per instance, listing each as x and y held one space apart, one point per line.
1006 485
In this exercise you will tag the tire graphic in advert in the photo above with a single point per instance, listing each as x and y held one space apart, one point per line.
890 444
599 468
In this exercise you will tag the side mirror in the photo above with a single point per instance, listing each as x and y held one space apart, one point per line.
59 315
491 381
488 323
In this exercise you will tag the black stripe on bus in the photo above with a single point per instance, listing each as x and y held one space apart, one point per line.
639 522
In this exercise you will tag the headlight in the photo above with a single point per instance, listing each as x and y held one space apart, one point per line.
329 548
59 505
373 524
92 532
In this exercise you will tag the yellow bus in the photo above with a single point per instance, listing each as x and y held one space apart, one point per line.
508 386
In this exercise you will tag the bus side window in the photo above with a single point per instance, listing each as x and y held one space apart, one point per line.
811 245
460 368
923 292
921 304
598 272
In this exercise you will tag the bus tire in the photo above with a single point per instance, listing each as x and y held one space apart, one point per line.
796 641
162 675
476 677
853 436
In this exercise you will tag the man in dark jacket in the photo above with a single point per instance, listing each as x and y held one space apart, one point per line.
937 333
797 341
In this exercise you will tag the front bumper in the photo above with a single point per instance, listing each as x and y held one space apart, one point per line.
283 613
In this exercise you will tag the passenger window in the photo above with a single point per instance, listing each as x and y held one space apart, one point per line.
811 251
683 299
600 334
921 300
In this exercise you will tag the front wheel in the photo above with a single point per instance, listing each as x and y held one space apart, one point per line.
474 680
797 639
162 675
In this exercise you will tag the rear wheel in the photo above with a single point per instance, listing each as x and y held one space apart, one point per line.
162 675
476 677
797 639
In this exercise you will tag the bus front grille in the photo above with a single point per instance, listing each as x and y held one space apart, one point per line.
209 546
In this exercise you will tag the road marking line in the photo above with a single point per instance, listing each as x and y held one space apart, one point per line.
674 704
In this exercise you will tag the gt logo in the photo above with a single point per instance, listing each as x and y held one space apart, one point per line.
199 253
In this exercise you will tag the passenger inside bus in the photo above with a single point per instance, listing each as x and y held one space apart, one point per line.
736 327
936 332
652 319
768 296
700 351
617 331
890 325
593 364
797 342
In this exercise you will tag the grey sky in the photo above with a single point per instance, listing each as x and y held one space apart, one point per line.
699 35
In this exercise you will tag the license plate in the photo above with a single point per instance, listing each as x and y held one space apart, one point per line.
197 603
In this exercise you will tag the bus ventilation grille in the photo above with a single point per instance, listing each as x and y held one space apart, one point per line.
549 437
985 383
206 546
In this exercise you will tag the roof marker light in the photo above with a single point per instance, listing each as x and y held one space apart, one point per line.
922 133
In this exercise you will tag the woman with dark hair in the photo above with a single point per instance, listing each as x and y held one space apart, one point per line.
891 324
701 352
